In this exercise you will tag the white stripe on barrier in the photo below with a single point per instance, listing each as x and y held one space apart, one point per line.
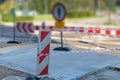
113 32
20 27
25 27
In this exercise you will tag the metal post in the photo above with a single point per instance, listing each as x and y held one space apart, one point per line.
14 19
61 36
62 48
14 27
0 14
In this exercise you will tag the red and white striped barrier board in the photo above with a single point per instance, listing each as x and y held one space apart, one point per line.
112 32
43 52
25 27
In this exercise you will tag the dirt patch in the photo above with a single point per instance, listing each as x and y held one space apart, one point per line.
5 71
4 44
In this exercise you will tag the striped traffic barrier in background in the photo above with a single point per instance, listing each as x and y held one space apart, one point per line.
102 31
43 52
111 32
82 30
26 27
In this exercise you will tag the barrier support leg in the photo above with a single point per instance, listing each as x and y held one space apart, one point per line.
62 48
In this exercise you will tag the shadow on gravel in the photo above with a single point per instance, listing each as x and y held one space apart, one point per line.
55 42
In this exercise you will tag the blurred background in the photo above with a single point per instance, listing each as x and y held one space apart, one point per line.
37 10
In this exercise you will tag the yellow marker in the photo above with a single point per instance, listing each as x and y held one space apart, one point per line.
59 24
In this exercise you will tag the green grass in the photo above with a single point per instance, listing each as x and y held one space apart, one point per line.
50 17
43 17
81 18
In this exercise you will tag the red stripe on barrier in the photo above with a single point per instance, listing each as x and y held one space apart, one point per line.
108 32
23 26
90 30
43 27
41 58
46 49
18 27
97 31
44 52
30 27
43 35
72 28
36 27
45 71
51 28
81 29
118 32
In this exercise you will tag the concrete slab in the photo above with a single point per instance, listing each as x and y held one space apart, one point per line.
63 65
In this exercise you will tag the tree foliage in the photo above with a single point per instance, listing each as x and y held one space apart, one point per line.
72 5
110 4
2 1
7 6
